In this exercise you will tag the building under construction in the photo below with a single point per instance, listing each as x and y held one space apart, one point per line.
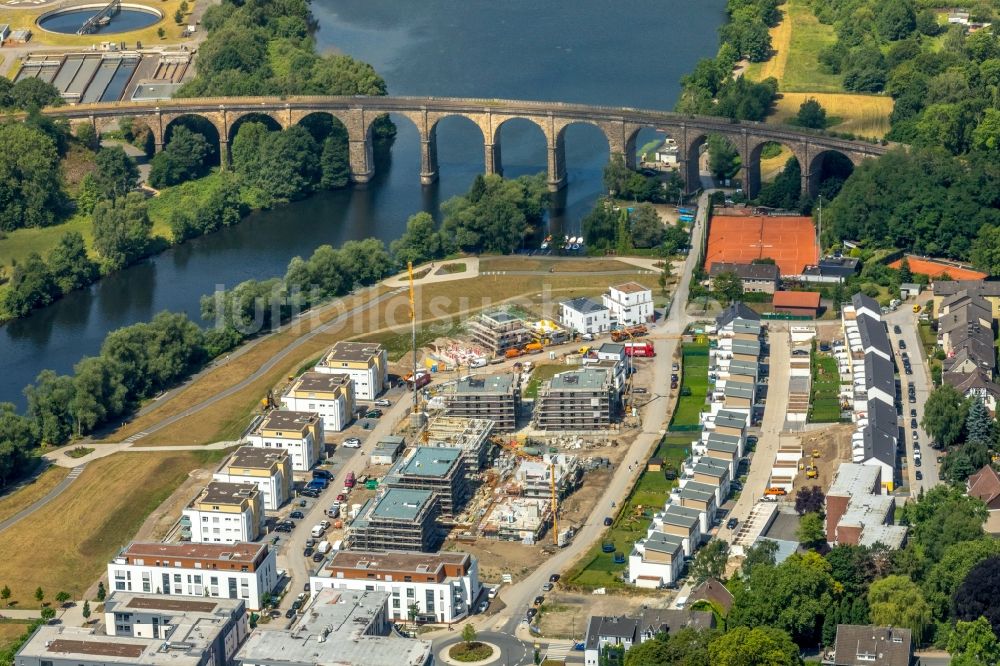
582 399
472 436
435 469
535 477
493 397
518 519
499 331
397 519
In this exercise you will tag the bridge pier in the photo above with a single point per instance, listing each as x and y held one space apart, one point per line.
494 163
224 157
361 160
429 157
556 163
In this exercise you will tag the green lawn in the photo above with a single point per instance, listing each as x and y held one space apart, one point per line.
825 398
695 378
798 41
540 374
597 568
400 343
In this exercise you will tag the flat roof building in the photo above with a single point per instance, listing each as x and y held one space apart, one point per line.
144 630
499 331
436 469
331 395
472 436
582 399
444 586
494 397
397 519
338 628
299 433
366 363
630 303
387 449
857 512
244 571
224 513
269 469
584 315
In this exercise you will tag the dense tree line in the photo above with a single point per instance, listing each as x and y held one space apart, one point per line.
632 185
605 228
35 283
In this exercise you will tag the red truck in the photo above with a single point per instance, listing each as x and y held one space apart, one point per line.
349 481
644 349
423 379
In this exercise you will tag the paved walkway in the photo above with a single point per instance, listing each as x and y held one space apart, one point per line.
52 494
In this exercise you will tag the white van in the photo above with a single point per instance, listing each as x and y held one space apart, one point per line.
317 531
478 363
323 547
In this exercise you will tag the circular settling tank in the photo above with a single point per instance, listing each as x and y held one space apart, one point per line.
128 18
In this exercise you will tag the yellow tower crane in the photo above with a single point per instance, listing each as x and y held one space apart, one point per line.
555 503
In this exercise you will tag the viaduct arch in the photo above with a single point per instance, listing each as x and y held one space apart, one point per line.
619 125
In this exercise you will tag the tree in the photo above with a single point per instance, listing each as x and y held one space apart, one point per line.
897 601
973 644
48 614
895 20
116 174
469 633
179 17
905 274
811 532
498 220
48 407
31 286
956 561
985 252
710 562
5 594
728 287
69 265
852 567
651 652
121 230
980 427
419 243
793 596
809 500
62 597
32 94
944 414
647 228
161 32
744 646
762 553
977 596
39 594
30 186
723 158
87 136
811 114
183 158
86 609
101 592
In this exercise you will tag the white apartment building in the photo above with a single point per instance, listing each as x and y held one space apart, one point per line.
244 571
629 303
224 513
329 395
299 433
270 470
365 362
656 560
442 585
584 315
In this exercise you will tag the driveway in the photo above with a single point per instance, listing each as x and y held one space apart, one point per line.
907 320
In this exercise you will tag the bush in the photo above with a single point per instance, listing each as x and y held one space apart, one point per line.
469 652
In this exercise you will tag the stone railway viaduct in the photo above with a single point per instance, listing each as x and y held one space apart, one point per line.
620 127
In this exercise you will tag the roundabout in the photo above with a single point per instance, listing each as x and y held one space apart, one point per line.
507 650
475 652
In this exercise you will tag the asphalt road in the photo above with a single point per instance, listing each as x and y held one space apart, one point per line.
906 319
518 596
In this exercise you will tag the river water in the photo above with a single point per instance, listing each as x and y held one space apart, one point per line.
626 53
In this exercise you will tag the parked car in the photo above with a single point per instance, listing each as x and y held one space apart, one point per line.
547 587
310 542
732 523
919 476
309 550
297 515
751 440
318 557
342 497
290 613
608 521
373 414
352 443
675 367
322 474
913 423
916 461
532 612
539 599
913 412
297 604
639 390
382 402
282 528
896 329
483 605
554 578
902 344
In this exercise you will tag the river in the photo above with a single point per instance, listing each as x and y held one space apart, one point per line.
628 53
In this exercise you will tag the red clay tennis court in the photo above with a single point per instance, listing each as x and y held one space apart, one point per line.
933 269
790 241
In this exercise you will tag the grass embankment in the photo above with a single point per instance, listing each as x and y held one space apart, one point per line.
825 399
31 492
597 568
695 380
66 545
540 374
23 16
514 264
797 41
446 304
